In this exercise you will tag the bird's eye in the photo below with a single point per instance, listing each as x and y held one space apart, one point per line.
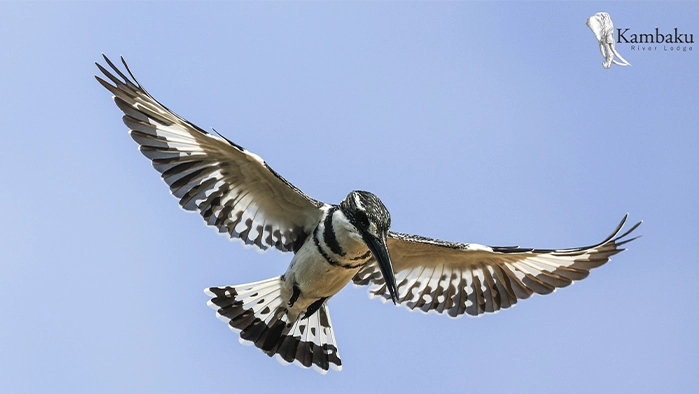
362 219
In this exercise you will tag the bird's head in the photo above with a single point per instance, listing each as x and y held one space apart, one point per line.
371 218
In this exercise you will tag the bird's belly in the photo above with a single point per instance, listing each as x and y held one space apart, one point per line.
315 277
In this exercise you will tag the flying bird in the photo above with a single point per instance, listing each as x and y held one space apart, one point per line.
236 192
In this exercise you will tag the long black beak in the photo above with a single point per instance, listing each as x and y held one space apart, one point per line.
377 246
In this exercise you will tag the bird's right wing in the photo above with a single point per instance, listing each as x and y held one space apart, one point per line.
457 278
233 189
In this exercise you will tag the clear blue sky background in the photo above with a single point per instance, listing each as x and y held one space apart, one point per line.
478 122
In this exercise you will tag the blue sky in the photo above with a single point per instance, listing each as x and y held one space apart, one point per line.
477 122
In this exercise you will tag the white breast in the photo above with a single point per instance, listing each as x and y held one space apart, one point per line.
320 272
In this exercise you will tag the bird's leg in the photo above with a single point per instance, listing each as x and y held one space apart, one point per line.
295 295
313 308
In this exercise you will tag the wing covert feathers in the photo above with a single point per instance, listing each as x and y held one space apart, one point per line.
233 189
455 278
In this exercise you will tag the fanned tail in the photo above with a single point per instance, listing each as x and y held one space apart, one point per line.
257 312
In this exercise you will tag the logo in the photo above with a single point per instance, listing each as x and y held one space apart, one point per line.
654 38
671 41
601 24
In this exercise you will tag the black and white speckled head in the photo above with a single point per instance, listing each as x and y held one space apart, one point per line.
366 212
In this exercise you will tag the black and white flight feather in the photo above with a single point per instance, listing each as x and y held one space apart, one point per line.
232 188
456 278
236 192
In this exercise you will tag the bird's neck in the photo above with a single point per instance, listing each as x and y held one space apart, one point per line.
340 238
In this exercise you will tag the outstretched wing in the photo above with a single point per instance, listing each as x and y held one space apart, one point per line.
232 188
457 278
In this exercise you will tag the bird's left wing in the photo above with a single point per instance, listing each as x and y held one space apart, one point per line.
232 188
457 278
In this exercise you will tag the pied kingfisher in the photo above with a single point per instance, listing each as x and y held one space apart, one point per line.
239 194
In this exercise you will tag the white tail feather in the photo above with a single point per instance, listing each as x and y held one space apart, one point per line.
257 312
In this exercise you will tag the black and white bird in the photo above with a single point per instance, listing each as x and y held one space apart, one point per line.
236 192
